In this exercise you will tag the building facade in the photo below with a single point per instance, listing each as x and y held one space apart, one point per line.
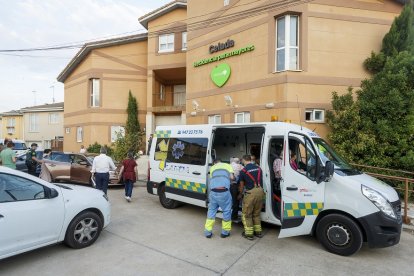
225 61
12 126
43 124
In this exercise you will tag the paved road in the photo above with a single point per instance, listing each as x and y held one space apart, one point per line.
146 239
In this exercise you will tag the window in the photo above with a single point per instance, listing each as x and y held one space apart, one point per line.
162 92
33 122
95 93
79 134
226 2
53 118
214 119
47 144
179 95
187 150
14 188
287 43
315 115
67 130
184 41
302 155
115 131
242 117
11 122
166 43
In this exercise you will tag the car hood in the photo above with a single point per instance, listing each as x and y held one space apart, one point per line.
386 190
81 191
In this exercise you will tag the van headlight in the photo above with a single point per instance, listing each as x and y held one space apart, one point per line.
378 201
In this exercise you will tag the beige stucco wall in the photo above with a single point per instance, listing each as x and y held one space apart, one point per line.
46 131
120 69
335 38
18 134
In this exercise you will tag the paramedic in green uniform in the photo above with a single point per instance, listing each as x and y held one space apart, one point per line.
221 175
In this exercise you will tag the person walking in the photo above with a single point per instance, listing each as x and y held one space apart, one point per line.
149 143
8 156
219 196
31 160
251 180
129 174
100 168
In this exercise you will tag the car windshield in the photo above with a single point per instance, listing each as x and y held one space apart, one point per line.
328 154
19 146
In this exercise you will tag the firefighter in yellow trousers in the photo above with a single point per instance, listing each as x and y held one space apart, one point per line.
251 183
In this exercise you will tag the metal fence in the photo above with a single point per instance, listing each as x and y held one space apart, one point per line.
405 180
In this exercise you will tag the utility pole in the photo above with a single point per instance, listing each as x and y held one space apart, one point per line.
53 95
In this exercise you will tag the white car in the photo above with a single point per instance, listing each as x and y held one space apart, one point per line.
35 213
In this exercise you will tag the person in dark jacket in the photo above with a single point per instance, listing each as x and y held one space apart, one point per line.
129 173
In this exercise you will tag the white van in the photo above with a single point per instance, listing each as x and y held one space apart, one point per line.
19 146
325 197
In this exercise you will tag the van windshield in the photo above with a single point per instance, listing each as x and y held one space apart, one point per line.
328 154
19 146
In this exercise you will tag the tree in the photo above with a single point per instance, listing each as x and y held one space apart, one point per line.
132 139
377 128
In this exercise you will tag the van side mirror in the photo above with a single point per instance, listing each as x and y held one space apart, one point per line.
329 170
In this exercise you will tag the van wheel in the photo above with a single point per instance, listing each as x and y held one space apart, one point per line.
83 230
339 234
166 202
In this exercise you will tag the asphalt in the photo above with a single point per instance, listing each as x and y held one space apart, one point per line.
146 239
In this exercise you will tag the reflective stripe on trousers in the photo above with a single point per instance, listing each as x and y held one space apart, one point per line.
216 200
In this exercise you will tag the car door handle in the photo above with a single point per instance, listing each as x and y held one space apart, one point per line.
196 173
52 165
292 188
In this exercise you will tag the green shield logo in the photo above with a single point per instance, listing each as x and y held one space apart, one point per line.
220 74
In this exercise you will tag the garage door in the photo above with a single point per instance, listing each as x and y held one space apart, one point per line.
167 120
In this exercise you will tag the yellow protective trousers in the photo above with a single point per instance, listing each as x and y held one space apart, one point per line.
252 205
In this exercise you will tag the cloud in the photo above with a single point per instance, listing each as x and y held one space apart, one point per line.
32 23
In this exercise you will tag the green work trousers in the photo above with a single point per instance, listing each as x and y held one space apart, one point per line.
252 205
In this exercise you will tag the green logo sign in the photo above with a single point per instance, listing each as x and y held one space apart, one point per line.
220 74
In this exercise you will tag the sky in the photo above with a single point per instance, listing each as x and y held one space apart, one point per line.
29 78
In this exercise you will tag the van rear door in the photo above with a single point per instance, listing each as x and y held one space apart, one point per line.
302 198
186 164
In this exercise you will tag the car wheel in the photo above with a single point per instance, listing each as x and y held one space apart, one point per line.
83 231
339 234
166 202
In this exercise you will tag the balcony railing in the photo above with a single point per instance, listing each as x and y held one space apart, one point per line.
171 99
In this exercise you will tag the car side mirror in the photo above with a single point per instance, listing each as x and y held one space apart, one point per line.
329 170
51 193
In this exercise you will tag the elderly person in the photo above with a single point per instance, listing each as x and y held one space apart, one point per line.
234 188
100 168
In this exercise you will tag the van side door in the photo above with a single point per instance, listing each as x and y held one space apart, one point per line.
302 198
186 164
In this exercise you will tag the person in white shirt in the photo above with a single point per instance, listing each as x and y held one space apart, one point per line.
100 168
82 149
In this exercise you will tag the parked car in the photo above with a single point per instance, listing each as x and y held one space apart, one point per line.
35 213
76 167
21 161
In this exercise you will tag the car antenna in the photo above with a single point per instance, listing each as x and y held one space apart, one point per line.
300 115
